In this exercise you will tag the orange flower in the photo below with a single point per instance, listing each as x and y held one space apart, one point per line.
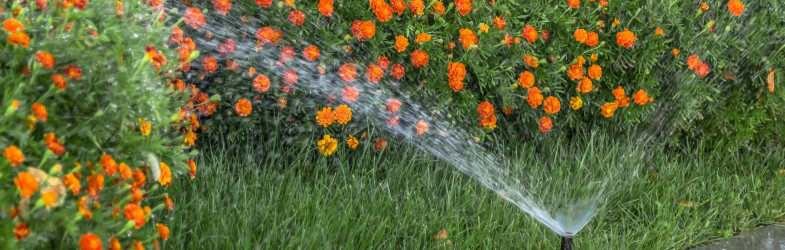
133 212
21 231
456 73
327 145
400 43
90 241
393 121
13 26
702 69
422 37
398 6
109 165
73 72
349 94
574 3
163 231
194 18
393 105
264 3
675 53
26 183
19 38
382 10
575 72
658 32
704 7
608 108
374 73
114 242
222 6
166 175
526 79
297 17
53 144
484 28
535 97
592 39
641 97
45 59
419 58
209 64
693 61
82 206
144 127
595 72
325 117
397 71
268 35
735 7
438 8
59 81
621 98
125 171
40 111
626 38
507 110
95 184
416 7
156 58
463 6
531 61
455 84
342 114
72 183
499 22
352 142
325 7
546 124
261 83
485 110
488 122
468 38
422 127
191 167
311 53
593 57
584 86
552 105
381 144
367 29
576 102
49 198
580 35
14 155
139 178
530 33
168 202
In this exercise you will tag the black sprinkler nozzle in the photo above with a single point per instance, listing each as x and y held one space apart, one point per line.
566 242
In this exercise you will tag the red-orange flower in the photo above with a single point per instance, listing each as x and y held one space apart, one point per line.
735 7
166 175
641 97
499 22
21 231
264 3
393 105
595 72
463 6
592 39
191 168
222 6
608 109
53 144
575 72
488 122
552 105
467 38
268 35
456 72
374 73
382 10
90 241
311 53
168 202
535 97
163 231
693 61
526 79
109 165
530 33
438 8
347 72
546 124
26 183
531 61
580 35
59 81
73 72
349 94
584 86
342 114
702 69
226 47
381 144
39 110
18 38
133 212
416 7
485 110
626 38
574 3
95 183
290 77
398 6
419 58
622 100
13 26
194 18
261 83
72 183
297 17
209 64
397 71
14 155
243 107
325 7
156 58
393 121
421 127
400 43
367 29
45 59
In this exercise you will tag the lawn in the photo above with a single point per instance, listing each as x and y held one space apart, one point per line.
260 192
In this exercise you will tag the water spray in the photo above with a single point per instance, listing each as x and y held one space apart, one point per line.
566 241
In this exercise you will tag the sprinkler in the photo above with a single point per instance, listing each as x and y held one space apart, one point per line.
566 241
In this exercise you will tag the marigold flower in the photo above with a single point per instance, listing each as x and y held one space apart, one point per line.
325 7
488 122
484 28
95 184
546 124
499 22
604 3
704 7
14 155
575 72
367 29
73 72
526 79
194 18
114 242
416 7
438 8
311 53
49 198
18 38
125 171
297 17
109 165
531 61
133 212
349 94
374 73
380 144
552 105
400 43
209 64
382 10
261 83
675 53
595 72
72 183
576 102
530 33
227 47
608 109
658 32
264 3
342 114
419 58
580 35
592 39
222 6
397 71
626 38
702 69
53 144
621 98
163 231
268 35
393 105
243 107
13 26
166 175
393 121
574 3
422 127
455 84
21 231
168 202
347 72
535 97
26 183
325 117
398 6
290 77
507 110
641 97
467 37
59 81
327 145
90 241
422 37
735 7
45 59
693 61
463 6
39 110
616 22
352 142
593 57
144 127
485 110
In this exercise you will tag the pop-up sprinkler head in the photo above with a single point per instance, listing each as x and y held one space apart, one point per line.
566 241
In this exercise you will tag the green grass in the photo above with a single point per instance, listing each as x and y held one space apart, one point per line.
269 194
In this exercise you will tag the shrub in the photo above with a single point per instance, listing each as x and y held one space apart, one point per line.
90 133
